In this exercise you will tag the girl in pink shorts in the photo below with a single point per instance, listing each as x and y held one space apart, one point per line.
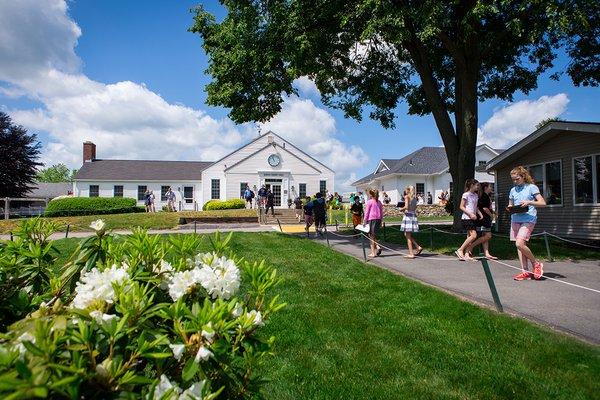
523 199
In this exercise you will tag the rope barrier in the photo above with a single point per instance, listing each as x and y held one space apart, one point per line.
549 278
572 241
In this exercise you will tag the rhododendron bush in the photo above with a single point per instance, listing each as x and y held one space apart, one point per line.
136 317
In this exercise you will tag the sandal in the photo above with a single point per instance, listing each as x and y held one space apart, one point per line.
409 256
491 257
419 251
461 258
379 252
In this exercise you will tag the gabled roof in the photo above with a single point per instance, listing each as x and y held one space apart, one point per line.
425 161
539 136
142 170
45 190
267 146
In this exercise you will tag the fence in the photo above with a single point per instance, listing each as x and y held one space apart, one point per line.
22 211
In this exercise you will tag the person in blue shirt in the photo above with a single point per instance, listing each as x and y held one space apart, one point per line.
523 199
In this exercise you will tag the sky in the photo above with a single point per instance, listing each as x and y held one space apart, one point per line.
128 76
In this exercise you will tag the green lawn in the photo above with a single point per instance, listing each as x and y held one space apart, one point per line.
340 216
159 220
500 245
354 331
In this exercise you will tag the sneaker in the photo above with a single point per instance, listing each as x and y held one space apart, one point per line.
522 276
538 270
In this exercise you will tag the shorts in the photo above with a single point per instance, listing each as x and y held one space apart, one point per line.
308 218
356 219
469 224
374 226
320 219
521 230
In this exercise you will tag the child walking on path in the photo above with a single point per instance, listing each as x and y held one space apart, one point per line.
484 224
357 211
410 223
468 205
523 198
373 217
308 215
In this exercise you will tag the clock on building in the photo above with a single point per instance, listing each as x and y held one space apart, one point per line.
274 160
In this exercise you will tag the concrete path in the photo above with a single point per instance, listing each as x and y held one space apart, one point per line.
569 302
189 228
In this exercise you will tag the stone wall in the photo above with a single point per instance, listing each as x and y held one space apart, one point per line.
425 210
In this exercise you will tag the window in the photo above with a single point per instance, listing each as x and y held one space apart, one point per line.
94 190
142 191
548 178
188 194
586 180
243 186
420 188
215 189
118 191
322 186
163 193
302 190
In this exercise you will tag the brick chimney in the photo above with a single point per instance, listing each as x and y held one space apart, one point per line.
89 151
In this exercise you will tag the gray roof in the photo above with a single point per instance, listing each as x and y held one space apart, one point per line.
43 190
142 170
425 161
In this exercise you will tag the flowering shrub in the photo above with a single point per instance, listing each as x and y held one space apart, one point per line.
143 317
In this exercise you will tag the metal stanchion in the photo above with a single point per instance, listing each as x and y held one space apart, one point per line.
362 240
431 237
491 284
547 246
194 226
11 236
67 231
327 236
279 223
384 239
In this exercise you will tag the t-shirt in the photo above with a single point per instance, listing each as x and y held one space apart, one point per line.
485 202
298 203
471 200
519 194
308 208
356 208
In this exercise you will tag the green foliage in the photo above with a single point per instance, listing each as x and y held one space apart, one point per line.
224 205
145 317
18 154
56 173
71 206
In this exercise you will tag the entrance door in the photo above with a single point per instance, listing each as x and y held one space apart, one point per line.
275 186
188 197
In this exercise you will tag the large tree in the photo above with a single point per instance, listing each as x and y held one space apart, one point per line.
56 173
440 57
18 154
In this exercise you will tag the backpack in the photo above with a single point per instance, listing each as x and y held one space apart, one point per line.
251 194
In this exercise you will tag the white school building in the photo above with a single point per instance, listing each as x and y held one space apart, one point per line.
267 160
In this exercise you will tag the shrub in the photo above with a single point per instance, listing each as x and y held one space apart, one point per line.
224 205
143 318
71 206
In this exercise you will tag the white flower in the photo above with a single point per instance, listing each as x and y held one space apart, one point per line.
96 286
165 267
98 225
256 317
102 318
203 354
208 334
194 392
181 283
178 350
25 337
164 385
221 278
237 311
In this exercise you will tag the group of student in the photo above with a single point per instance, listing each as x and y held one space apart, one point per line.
523 200
477 217
314 211
150 199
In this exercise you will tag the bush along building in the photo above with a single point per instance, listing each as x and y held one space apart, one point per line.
564 160
267 160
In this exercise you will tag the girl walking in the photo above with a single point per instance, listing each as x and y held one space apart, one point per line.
373 217
523 199
468 205
484 224
410 223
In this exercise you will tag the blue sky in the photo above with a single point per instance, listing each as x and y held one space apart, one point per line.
130 77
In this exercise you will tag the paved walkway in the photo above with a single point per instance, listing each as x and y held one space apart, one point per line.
569 302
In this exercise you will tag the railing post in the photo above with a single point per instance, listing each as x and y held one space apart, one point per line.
11 236
547 247
362 240
67 232
327 236
279 223
6 208
384 239
195 226
491 284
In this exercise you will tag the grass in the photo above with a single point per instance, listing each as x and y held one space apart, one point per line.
159 220
354 331
500 246
340 216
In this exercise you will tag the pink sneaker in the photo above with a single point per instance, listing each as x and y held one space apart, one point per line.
522 276
538 270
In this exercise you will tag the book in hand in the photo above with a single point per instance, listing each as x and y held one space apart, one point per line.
363 228
517 209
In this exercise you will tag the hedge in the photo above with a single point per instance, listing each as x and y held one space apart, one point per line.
71 206
224 205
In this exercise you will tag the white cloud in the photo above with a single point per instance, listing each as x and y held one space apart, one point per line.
313 130
125 119
512 123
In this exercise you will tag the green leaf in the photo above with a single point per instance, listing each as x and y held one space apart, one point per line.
33 349
157 355
190 369
64 381
23 370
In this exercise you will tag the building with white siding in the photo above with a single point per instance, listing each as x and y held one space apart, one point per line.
268 160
